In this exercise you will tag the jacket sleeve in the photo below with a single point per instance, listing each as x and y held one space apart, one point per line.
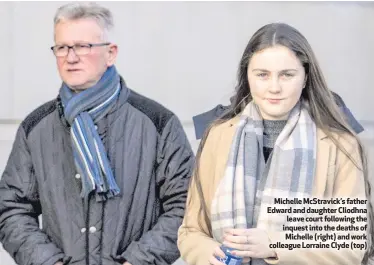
175 164
20 208
348 183
194 240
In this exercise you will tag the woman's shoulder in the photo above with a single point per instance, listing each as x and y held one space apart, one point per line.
223 129
345 139
347 146
224 125
220 136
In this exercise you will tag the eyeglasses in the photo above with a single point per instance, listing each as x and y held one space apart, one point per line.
79 49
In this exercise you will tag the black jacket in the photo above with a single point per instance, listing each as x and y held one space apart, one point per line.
152 161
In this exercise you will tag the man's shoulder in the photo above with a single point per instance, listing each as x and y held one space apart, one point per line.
155 111
37 115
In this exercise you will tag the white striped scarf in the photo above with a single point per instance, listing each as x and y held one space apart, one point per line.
249 186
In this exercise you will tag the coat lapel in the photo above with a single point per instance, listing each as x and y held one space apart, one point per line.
324 165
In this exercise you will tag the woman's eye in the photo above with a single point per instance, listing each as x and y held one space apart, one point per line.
262 75
288 75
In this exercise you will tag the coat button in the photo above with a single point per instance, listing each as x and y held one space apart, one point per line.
83 230
77 176
92 229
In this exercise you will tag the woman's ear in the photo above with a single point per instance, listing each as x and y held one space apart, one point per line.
305 79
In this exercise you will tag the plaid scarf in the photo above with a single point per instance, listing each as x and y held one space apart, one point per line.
82 110
250 185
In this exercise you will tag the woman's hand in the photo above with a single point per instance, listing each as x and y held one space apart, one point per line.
217 253
249 243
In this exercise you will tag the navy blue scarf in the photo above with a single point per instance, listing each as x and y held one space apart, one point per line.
82 110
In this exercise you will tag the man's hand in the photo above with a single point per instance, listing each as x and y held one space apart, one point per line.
250 243
126 263
59 263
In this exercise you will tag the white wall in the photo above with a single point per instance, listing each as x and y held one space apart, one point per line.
185 54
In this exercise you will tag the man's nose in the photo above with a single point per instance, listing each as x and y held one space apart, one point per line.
72 57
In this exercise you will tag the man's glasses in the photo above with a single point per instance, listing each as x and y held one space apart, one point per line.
79 49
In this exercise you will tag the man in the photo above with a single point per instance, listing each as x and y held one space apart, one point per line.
107 168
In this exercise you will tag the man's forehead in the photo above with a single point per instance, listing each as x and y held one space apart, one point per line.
80 25
82 30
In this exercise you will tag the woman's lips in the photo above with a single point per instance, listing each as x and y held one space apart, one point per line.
273 100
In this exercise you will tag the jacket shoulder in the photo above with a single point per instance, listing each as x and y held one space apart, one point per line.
346 140
32 119
224 129
218 141
157 113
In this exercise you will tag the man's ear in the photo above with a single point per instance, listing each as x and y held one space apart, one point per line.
112 51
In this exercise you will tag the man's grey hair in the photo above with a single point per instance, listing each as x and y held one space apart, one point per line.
81 10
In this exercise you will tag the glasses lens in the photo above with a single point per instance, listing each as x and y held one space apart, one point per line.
60 50
82 49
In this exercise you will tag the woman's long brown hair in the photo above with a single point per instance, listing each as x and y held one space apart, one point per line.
322 108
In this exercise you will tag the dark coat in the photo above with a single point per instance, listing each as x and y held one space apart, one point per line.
152 162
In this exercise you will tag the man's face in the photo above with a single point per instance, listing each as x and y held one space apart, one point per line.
83 71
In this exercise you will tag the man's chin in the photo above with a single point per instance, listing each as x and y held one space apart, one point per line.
76 86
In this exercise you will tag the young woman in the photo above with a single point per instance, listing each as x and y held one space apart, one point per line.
284 137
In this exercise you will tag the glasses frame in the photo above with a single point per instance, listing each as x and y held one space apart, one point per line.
72 47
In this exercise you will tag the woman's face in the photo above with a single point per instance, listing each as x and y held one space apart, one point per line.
276 79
